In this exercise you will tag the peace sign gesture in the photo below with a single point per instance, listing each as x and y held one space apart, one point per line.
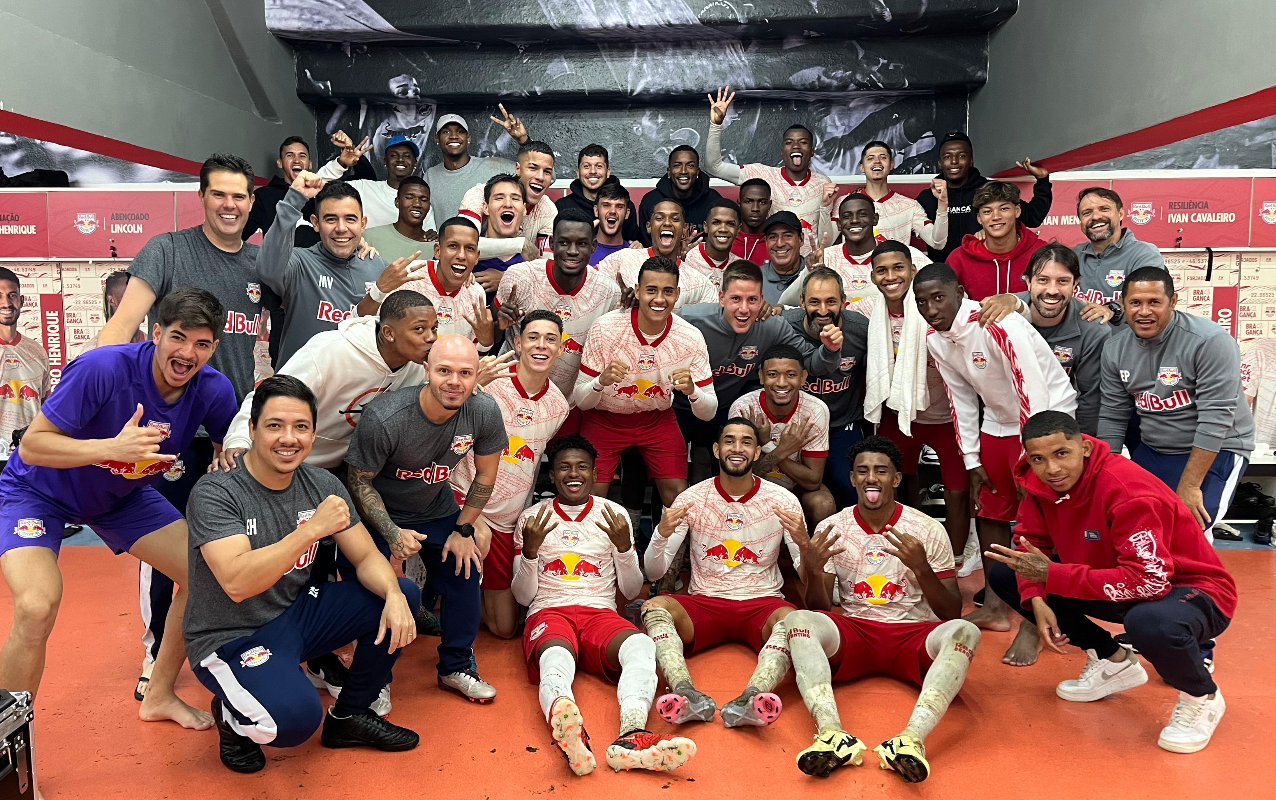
718 105
350 153
1031 566
512 124
816 257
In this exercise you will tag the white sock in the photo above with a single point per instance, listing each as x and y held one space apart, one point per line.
952 646
811 637
637 686
558 668
773 660
660 627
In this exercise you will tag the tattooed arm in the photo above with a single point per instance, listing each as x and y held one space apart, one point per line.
367 501
485 469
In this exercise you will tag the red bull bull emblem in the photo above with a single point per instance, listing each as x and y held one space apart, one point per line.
1115 278
523 417
538 631
462 444
643 390
1169 375
444 313
570 345
858 284
1141 213
979 360
875 558
570 567
12 362
570 537
878 590
17 392
1064 354
304 516
254 292
135 470
254 657
730 553
848 363
734 521
518 451
86 223
749 352
165 428
647 362
29 528
563 310
1268 212
175 471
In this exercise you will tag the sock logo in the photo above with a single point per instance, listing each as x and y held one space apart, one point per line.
964 650
799 632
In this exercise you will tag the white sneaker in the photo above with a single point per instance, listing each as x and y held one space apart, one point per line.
1101 677
381 706
1192 723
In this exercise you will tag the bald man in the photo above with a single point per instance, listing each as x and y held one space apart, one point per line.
400 458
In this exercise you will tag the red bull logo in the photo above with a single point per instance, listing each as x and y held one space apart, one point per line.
730 553
1169 375
1268 212
570 537
1146 401
647 362
12 362
175 471
444 314
1064 354
857 285
848 363
165 428
1114 278
518 451
734 521
523 417
254 292
570 345
874 558
748 353
16 391
1141 213
307 558
643 390
563 310
135 470
570 567
304 516
29 528
462 444
254 656
979 360
86 223
878 590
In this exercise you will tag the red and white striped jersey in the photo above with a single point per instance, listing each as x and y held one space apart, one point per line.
538 220
624 265
532 286
901 218
735 541
806 199
647 385
873 584
576 564
25 381
450 308
1006 364
530 422
700 262
808 408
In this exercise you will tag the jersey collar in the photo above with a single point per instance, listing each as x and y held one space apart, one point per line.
17 337
434 279
558 509
651 253
767 411
633 320
518 387
716 265
784 173
757 484
899 512
549 273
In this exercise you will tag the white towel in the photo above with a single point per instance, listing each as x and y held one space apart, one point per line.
902 390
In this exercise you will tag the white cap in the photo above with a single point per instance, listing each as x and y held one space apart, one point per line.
449 118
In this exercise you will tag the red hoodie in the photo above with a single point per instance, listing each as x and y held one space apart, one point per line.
985 274
1121 534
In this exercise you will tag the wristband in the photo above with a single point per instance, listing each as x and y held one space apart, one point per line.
376 294
596 386
770 447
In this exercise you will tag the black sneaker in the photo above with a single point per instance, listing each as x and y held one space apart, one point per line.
366 729
328 673
1250 497
238 753
1263 530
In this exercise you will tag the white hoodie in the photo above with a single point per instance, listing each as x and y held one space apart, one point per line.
345 370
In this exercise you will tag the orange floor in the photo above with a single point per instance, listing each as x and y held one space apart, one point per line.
1006 737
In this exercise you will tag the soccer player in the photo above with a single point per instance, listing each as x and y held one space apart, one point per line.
634 360
899 616
565 285
905 392
120 418
957 169
711 256
616 221
996 263
901 217
668 230
795 187
459 171
794 427
683 183
400 458
1110 251
533 409
1182 375
379 196
408 233
1011 369
254 532
1128 551
842 391
503 212
755 207
294 158
577 552
534 169
737 523
593 172
25 379
461 305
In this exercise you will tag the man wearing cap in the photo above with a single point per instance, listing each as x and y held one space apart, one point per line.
784 261
460 171
378 197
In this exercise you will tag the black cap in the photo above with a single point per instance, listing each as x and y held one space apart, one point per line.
956 136
786 218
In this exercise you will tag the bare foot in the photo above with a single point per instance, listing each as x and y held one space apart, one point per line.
158 708
990 619
1023 651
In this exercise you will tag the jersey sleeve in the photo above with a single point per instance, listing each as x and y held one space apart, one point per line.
154 264
1115 403
964 402
221 408
472 204
1027 369
1218 362
939 552
705 404
817 443
791 503
1144 563
370 445
87 385
713 163
213 513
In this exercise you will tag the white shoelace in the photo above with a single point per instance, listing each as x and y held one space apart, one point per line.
1091 666
1188 710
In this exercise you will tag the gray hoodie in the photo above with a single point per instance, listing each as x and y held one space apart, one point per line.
1185 384
318 289
1079 347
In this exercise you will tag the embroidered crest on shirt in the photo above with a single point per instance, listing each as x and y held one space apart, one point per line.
1169 376
462 444
523 416
254 292
1115 278
979 360
647 362
848 363
749 352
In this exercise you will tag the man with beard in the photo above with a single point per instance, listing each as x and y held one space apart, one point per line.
503 212
400 458
737 524
755 207
901 217
25 379
534 169
899 616
459 171
957 169
682 183
795 187
404 239
821 301
712 254
616 217
1110 251
593 171
294 159
400 161
667 229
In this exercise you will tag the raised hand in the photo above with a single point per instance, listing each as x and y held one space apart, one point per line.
617 369
718 105
831 336
681 380
997 307
512 124
480 323
397 273
793 437
489 279
493 367
816 257
830 191
1030 563
939 188
1032 169
225 460
906 548
407 545
510 312
794 524
350 153
331 516
139 443
1092 311
536 529
819 549
308 184
670 520
617 530
760 422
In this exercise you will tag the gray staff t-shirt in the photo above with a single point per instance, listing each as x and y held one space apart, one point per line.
414 457
233 503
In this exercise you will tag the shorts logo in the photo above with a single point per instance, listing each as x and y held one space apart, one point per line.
1268 212
254 292
29 528
176 471
1091 535
538 631
314 591
1169 375
1141 213
1115 278
848 363
523 417
647 362
86 223
749 353
462 444
254 657
979 360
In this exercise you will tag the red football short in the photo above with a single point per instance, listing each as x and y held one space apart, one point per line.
654 433
498 567
570 426
999 454
587 631
870 647
940 438
717 620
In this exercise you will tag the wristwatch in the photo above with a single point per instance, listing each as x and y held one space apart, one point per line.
1117 312
466 530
